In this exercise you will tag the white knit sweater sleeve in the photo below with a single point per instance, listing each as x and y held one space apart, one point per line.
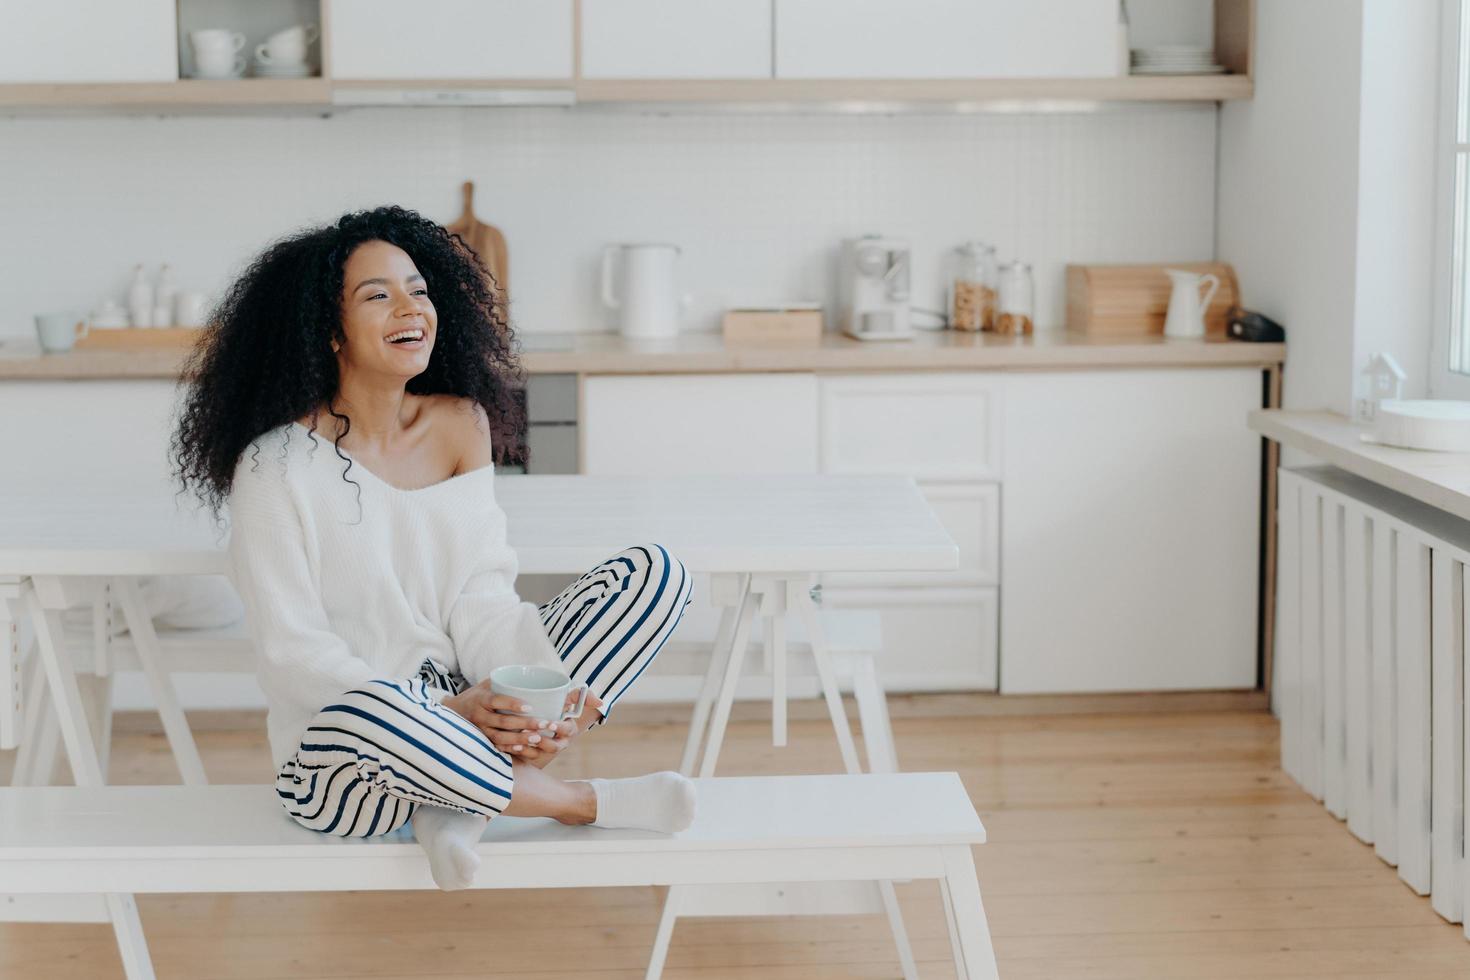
301 662
490 625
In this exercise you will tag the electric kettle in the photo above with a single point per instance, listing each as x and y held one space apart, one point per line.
640 282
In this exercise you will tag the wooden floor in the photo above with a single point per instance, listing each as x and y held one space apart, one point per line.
1122 847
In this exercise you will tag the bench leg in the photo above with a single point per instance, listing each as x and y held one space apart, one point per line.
12 716
969 931
131 945
900 934
170 712
661 939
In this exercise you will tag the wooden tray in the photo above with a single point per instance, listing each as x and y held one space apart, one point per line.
140 338
1131 300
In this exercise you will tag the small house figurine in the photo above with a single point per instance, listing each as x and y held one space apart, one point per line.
1384 380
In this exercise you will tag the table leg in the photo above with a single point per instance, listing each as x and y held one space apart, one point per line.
11 713
799 594
719 656
775 643
170 712
872 704
732 678
81 752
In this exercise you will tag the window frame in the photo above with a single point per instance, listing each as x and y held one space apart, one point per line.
1452 238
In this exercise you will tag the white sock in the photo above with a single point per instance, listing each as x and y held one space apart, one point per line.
449 837
661 801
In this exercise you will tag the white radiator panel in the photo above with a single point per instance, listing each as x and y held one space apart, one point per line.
1370 679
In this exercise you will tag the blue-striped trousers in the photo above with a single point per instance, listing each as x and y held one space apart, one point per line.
366 762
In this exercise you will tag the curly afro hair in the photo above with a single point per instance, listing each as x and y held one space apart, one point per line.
265 358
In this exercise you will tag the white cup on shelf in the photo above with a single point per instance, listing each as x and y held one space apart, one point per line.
287 48
217 52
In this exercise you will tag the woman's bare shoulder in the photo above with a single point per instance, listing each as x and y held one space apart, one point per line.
467 428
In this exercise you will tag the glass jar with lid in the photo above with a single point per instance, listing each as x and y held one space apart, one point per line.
1016 302
972 287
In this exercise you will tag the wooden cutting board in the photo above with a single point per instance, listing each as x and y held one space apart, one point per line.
485 240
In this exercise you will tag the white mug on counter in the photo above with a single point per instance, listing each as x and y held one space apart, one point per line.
58 332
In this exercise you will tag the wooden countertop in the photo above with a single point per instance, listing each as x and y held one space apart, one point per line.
1441 480
610 353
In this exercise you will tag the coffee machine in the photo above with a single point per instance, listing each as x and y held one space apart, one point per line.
873 279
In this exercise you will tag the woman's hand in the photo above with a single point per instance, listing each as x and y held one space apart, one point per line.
505 721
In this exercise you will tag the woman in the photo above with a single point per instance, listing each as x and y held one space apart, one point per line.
376 577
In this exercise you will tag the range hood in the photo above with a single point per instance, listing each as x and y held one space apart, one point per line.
388 95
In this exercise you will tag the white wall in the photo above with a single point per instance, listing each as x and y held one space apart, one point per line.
759 203
1288 186
1396 185
1327 188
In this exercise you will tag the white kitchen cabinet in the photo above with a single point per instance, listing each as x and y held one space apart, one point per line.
700 424
89 41
1129 527
934 639
658 39
450 39
931 426
971 515
946 38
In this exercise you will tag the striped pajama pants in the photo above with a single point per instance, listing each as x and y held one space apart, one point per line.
369 760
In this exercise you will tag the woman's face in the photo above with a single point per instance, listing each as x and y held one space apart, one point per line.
388 322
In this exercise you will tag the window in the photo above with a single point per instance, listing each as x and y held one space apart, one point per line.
1450 343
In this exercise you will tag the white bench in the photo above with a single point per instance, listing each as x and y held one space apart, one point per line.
125 839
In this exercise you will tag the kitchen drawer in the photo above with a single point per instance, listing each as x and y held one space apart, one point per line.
653 425
971 515
551 398
929 426
451 39
552 448
659 39
933 639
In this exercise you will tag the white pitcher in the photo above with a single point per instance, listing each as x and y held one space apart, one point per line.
639 281
1186 317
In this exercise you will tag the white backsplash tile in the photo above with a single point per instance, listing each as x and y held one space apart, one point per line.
758 202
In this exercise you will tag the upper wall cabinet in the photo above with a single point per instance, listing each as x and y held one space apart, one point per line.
450 39
946 38
659 39
89 41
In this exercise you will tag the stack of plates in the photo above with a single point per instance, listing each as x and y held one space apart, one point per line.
1175 59
262 70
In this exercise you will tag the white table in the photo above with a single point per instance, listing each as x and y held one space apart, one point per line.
761 539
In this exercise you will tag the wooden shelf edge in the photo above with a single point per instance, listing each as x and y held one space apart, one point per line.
1176 88
317 92
184 93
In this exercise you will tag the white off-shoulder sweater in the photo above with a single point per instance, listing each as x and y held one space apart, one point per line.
337 594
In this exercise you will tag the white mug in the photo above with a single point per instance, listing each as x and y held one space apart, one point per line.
545 689
287 47
57 332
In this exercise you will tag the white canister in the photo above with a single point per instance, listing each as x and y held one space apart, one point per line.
640 282
190 309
